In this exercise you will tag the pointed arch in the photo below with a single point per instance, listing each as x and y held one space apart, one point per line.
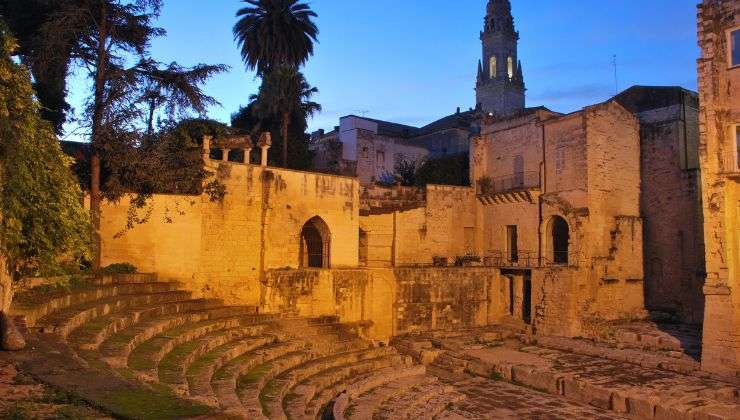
493 67
315 244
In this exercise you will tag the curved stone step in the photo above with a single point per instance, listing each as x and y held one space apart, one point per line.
116 349
95 292
377 379
285 381
252 387
366 405
62 323
92 334
202 371
146 356
308 398
415 402
224 381
174 367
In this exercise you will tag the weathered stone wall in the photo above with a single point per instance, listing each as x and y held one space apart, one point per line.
407 232
670 205
388 302
719 93
222 249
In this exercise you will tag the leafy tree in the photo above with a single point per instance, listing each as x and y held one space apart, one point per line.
42 219
104 36
405 172
275 33
285 92
448 170
176 88
25 19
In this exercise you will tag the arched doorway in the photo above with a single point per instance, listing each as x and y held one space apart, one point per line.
315 244
560 240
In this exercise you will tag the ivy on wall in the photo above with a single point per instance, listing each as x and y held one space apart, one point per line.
42 218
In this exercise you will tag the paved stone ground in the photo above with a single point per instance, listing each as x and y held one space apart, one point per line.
488 399
22 397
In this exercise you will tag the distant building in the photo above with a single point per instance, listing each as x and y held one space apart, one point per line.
371 149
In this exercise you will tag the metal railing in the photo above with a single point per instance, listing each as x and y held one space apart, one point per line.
530 259
513 182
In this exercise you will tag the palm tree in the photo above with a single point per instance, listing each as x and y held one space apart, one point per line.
275 33
283 93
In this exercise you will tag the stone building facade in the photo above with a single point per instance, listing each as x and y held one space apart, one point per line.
670 199
719 119
573 220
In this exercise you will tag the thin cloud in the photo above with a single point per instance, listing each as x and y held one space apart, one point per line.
593 91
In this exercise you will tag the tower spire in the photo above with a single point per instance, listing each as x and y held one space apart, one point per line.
499 17
500 87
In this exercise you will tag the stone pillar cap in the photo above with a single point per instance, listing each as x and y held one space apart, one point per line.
265 139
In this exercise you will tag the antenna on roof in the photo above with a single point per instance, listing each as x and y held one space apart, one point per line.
616 78
362 112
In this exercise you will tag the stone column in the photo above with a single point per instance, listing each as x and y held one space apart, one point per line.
225 156
207 147
264 143
247 155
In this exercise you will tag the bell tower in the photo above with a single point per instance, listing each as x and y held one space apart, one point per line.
500 87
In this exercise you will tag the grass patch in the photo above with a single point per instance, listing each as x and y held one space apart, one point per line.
256 374
268 393
496 376
45 292
171 366
141 357
19 411
152 405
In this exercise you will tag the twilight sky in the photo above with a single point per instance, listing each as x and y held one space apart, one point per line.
413 61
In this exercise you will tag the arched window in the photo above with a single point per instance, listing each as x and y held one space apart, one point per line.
560 237
315 244
493 70
510 66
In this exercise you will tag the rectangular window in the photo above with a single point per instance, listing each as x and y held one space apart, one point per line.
560 160
735 47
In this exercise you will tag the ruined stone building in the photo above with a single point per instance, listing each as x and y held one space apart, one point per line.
719 152
572 220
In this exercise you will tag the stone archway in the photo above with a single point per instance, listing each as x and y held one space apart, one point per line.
315 244
559 240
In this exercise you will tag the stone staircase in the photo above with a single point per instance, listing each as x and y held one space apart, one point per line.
136 347
226 361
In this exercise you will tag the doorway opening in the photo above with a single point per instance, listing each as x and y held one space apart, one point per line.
315 244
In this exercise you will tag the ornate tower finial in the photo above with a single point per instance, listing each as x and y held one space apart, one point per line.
499 18
500 88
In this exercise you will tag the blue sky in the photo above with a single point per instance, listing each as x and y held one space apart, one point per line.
413 61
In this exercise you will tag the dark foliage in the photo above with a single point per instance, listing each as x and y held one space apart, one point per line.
275 33
449 170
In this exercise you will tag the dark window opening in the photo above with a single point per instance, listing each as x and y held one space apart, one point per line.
735 47
527 302
512 241
560 240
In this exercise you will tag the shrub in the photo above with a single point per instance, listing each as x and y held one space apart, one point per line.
119 268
